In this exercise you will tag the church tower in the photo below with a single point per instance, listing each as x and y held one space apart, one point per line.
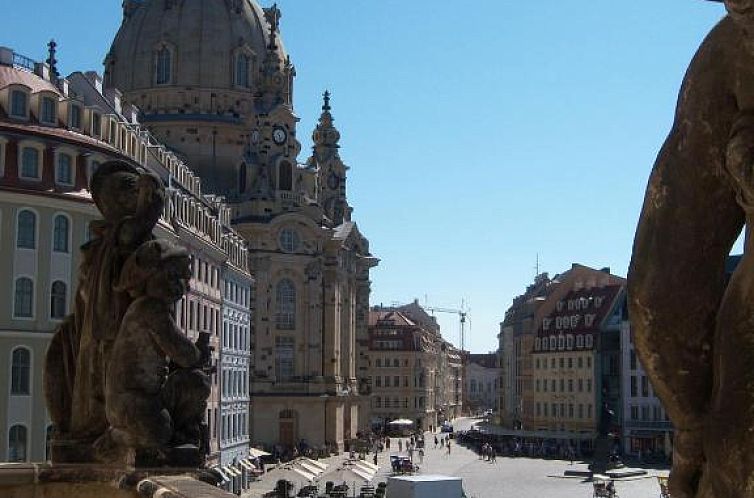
214 82
331 172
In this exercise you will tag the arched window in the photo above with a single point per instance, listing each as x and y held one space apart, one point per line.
20 371
26 230
285 176
60 234
17 438
286 305
163 65
242 171
58 298
48 443
24 298
243 63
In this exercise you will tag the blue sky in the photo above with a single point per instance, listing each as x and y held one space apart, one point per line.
479 134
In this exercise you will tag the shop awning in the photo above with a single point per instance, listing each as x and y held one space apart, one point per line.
256 453
220 471
247 465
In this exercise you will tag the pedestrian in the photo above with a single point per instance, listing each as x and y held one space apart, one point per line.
375 458
448 448
493 454
411 453
435 441
421 455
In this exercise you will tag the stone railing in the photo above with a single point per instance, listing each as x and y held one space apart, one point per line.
30 480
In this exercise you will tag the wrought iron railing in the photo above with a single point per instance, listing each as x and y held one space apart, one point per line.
23 62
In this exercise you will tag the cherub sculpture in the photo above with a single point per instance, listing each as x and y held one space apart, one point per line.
694 334
131 202
148 407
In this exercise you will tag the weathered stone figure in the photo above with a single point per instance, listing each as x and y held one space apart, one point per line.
694 335
147 408
131 202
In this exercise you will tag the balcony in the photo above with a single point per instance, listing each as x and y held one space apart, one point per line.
290 197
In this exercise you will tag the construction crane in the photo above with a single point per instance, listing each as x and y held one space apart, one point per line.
462 313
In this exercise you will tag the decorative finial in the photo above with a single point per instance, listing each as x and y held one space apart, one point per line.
51 60
273 17
326 107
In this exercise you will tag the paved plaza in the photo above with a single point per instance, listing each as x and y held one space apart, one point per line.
507 478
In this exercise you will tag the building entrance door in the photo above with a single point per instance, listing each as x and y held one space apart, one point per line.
288 428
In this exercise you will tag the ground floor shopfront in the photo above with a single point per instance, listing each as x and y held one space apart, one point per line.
648 445
281 423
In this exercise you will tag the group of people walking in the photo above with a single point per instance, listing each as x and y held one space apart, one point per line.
488 453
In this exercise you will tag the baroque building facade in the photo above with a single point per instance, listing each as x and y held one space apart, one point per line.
402 369
214 82
54 133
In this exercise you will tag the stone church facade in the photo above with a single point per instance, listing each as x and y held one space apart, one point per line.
213 82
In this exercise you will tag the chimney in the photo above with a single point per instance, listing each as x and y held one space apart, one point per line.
114 96
42 70
6 56
95 79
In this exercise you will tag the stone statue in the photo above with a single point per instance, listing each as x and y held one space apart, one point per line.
149 409
694 335
131 202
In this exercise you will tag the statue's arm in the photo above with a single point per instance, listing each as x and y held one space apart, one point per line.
689 222
174 343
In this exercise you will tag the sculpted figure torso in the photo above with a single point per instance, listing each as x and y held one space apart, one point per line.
694 335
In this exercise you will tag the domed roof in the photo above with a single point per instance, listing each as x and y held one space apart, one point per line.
203 37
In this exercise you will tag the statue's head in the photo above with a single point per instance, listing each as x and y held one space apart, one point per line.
158 269
118 188
742 11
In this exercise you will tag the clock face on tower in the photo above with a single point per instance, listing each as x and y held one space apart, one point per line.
279 135
255 137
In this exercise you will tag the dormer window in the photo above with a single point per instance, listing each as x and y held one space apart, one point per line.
48 111
163 65
19 104
96 125
74 117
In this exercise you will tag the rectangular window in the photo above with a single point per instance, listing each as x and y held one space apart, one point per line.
581 385
284 358
634 412
570 362
570 410
588 362
581 410
634 386
644 386
545 409
580 362
552 385
18 104
554 409
633 360
30 163
539 409
562 385
562 362
396 381
570 385
589 411
64 171
49 114
645 413
588 385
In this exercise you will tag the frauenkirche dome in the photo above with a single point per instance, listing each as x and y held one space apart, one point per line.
204 73
203 36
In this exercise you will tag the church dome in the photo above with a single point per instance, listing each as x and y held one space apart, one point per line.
190 43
